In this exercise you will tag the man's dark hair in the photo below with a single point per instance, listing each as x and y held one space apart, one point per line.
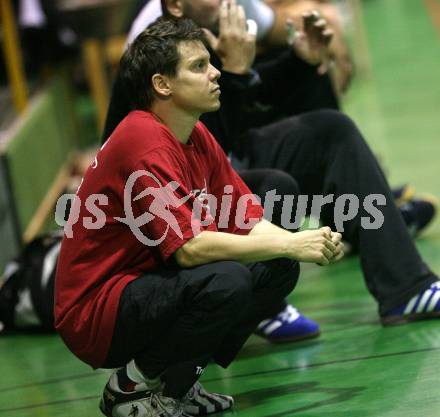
165 11
154 51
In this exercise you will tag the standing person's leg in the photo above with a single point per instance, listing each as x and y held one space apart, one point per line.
326 154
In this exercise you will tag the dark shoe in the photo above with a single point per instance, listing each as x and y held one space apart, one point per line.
418 213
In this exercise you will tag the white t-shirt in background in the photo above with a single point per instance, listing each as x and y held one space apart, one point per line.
255 9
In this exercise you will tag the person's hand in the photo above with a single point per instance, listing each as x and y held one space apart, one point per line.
312 44
343 68
339 247
319 246
234 46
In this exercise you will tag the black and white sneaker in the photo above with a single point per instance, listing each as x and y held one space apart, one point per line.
199 402
138 402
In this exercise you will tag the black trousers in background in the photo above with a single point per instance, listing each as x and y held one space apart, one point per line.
326 154
177 320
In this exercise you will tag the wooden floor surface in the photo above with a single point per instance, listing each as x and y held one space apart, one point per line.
356 368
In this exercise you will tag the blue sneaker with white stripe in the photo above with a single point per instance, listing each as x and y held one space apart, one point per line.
288 326
424 305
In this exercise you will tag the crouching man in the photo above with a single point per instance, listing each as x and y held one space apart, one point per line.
158 281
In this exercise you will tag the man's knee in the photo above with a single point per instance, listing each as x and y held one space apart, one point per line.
282 183
278 187
231 285
335 118
335 128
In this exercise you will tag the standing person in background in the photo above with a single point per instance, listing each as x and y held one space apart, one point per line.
46 36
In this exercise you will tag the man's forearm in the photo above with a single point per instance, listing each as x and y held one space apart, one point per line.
264 227
265 241
217 246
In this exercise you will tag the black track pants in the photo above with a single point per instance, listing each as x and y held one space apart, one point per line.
326 154
177 320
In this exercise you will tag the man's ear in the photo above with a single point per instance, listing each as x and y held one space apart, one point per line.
160 85
174 7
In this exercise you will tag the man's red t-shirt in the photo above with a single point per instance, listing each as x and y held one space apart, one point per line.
110 244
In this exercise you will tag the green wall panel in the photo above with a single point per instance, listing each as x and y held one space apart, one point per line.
9 237
39 148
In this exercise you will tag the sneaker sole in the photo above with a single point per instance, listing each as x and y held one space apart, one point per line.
398 320
293 338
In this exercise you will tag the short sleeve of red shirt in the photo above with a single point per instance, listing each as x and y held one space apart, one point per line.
162 196
238 208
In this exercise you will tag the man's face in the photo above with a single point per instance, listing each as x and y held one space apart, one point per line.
195 88
204 12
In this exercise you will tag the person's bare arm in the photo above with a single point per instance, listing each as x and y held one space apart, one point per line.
265 227
264 242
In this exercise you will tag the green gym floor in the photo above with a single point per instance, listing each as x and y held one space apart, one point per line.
355 368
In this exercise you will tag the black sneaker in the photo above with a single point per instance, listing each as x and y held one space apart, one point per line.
418 213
